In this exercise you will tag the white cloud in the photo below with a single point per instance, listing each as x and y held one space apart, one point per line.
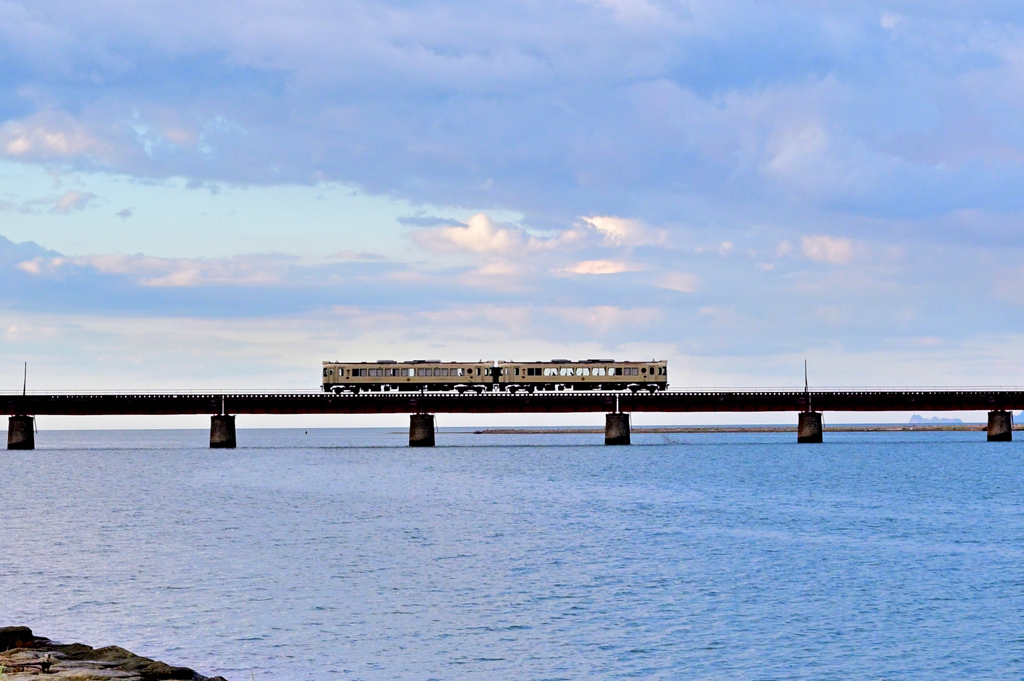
72 200
601 267
678 281
47 136
625 232
605 318
479 235
169 272
69 202
34 266
890 21
828 249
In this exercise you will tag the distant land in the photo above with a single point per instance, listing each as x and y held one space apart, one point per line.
935 420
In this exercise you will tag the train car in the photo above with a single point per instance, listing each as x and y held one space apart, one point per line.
388 375
434 375
590 374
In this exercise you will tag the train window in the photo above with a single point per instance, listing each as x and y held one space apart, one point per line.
325 372
582 371
517 371
644 370
565 371
599 371
550 371
423 372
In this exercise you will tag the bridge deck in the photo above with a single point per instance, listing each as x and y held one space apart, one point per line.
493 403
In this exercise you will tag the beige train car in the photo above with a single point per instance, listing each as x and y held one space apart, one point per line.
415 375
591 374
434 375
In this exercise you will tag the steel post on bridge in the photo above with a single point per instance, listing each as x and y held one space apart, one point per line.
21 432
421 430
808 428
222 428
1000 426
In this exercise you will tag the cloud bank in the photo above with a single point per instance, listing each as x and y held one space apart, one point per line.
665 112
731 178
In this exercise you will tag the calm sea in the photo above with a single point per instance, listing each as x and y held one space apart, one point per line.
343 554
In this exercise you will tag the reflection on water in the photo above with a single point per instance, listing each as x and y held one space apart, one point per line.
344 554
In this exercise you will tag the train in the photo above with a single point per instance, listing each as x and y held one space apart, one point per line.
490 376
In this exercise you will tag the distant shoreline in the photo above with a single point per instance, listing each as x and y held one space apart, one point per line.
884 428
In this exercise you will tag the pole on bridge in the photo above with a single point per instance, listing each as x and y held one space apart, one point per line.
1000 426
21 429
808 427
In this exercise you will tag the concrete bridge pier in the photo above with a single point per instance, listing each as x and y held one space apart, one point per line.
421 430
222 431
616 429
1000 426
808 427
21 433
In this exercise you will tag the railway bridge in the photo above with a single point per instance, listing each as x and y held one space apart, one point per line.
617 406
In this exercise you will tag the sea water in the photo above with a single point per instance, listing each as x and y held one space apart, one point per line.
344 554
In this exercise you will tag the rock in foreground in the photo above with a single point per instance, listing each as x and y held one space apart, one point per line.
24 656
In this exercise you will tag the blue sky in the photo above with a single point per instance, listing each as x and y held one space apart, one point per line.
219 198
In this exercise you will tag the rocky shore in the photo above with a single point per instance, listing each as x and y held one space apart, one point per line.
24 656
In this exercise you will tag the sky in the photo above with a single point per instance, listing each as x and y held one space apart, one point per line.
204 195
